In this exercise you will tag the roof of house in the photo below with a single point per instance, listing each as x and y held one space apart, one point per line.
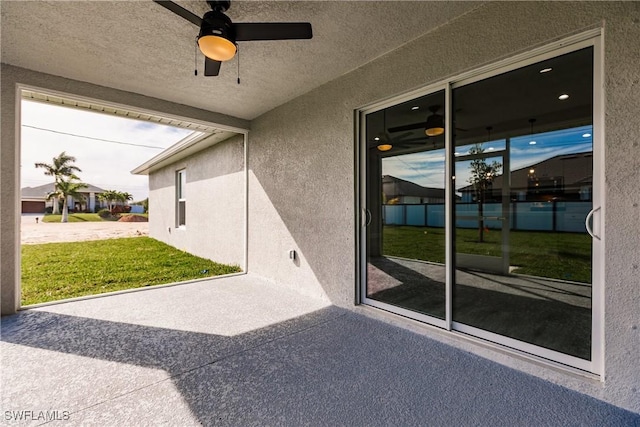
41 191
395 187
575 169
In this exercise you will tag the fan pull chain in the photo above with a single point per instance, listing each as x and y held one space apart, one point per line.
238 66
195 57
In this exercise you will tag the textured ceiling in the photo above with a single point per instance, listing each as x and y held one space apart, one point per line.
140 47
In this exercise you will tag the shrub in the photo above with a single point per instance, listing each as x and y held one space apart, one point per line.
104 213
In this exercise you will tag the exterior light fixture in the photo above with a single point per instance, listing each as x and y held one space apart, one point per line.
216 39
435 122
532 171
415 108
545 70
563 97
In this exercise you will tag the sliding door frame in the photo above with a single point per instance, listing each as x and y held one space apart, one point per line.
592 38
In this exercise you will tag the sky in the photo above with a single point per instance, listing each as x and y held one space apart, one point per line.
104 164
427 168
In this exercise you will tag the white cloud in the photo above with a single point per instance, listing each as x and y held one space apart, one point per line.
104 164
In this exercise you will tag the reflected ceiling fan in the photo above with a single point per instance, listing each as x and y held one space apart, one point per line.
433 126
218 34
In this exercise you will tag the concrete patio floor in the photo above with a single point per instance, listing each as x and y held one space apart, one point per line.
242 351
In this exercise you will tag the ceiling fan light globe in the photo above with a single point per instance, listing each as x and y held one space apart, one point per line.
434 131
434 125
216 47
385 147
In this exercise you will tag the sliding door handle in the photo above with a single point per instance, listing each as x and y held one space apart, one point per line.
586 222
366 216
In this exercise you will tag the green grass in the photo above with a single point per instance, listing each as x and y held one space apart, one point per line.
54 271
76 217
565 256
84 217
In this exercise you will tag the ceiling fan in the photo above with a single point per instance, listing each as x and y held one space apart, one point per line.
218 34
434 125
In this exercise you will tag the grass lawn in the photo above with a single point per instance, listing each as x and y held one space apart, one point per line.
75 217
84 217
564 256
54 271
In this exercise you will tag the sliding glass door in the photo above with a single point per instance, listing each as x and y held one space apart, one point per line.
523 191
405 188
477 206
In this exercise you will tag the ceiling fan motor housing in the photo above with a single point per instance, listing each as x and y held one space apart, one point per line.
217 24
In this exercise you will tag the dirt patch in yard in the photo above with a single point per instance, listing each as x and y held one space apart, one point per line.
133 218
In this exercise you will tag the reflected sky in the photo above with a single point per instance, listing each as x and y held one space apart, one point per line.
427 168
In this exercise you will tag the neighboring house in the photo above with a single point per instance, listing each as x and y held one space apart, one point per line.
34 199
296 195
565 177
400 191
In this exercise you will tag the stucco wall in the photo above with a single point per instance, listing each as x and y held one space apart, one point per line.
10 155
215 203
302 165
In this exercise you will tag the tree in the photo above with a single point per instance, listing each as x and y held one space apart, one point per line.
126 197
113 197
482 175
109 196
61 167
65 190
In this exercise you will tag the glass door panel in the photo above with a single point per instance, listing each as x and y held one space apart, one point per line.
502 252
523 186
405 206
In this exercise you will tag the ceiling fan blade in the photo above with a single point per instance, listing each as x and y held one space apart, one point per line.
180 11
211 67
408 127
400 137
246 31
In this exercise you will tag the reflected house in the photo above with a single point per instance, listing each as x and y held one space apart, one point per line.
567 177
399 191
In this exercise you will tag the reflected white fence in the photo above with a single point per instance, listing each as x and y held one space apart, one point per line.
525 216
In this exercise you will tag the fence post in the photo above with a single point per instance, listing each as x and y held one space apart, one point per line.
426 212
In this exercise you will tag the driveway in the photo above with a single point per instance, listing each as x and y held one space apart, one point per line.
32 232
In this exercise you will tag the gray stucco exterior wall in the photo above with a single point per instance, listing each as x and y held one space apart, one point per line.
302 175
215 203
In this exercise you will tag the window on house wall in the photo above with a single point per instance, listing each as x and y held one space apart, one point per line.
181 201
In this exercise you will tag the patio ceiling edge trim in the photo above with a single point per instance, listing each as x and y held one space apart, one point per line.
196 141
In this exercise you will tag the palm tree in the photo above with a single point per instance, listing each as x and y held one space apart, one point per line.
66 189
126 197
111 197
61 167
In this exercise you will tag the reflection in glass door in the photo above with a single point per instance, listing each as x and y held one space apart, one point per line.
523 192
484 228
405 206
